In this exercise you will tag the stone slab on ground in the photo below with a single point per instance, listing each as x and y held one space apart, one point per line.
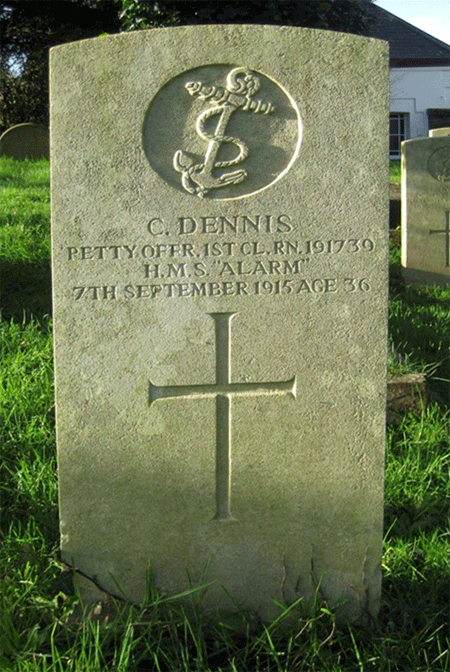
406 393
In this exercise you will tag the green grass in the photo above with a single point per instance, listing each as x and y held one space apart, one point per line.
24 238
419 330
42 628
395 175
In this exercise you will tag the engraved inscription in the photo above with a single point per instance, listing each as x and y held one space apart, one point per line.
234 225
446 232
176 290
221 131
241 85
266 265
439 164
218 249
222 391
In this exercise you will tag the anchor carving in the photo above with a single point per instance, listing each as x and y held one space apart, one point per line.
444 175
439 165
241 85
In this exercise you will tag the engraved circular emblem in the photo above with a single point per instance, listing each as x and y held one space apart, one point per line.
221 132
439 164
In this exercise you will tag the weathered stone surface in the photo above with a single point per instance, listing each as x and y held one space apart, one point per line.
438 132
25 141
220 328
426 210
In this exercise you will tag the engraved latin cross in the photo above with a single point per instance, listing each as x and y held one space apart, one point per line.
222 390
447 238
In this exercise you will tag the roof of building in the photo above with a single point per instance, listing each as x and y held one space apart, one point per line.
409 45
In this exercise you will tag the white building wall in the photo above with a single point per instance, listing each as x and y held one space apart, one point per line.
414 90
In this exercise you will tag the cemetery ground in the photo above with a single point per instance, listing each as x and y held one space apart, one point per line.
41 624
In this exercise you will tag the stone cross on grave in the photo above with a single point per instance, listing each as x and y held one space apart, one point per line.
447 238
222 390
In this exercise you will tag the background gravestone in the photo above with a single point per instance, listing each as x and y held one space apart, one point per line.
25 141
438 132
425 210
220 290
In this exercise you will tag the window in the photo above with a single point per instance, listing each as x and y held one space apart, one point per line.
398 131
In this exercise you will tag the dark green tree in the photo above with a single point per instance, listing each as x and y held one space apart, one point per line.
28 28
350 16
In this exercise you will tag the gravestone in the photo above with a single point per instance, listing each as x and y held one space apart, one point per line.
426 210
438 132
25 141
220 288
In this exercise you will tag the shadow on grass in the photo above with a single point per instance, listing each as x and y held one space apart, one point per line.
415 614
411 633
409 519
419 328
25 290
23 508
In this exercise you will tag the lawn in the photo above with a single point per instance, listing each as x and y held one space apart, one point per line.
43 629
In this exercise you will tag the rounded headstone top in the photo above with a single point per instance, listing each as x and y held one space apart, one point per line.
438 132
25 141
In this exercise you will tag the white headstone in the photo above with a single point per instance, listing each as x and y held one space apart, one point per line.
438 132
425 210
220 290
